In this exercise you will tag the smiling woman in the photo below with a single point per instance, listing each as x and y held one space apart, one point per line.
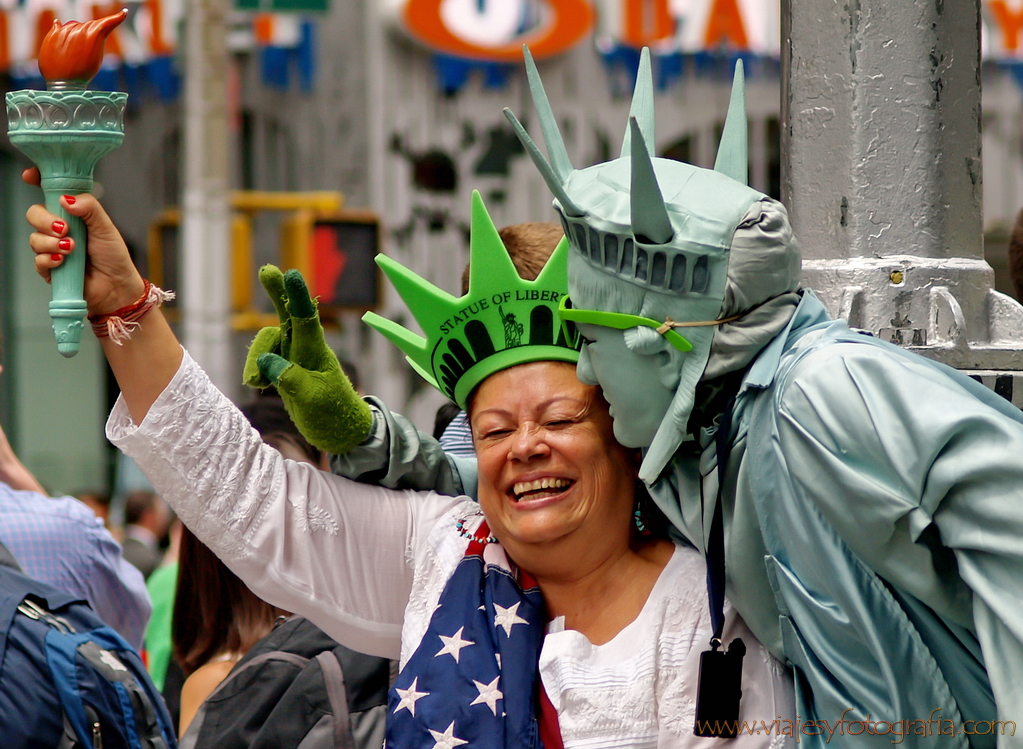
543 616
558 492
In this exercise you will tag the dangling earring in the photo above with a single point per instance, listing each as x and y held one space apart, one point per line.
637 517
642 498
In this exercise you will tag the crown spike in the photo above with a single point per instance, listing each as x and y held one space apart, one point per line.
486 250
556 151
555 184
732 159
642 109
554 274
650 222
427 302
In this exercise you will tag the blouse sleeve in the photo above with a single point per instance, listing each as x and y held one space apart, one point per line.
334 551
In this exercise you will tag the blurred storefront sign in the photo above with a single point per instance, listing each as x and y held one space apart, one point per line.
481 32
494 30
1001 32
140 55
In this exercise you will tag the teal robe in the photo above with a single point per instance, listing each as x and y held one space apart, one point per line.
873 513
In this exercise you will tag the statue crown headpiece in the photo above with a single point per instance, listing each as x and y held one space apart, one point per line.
662 224
502 321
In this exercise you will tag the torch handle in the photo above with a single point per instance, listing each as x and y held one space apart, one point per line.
68 308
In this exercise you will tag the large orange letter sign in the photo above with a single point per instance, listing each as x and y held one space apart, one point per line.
1009 24
646 22
571 21
725 26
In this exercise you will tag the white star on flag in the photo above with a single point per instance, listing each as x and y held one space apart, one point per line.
446 740
489 694
453 645
409 697
508 617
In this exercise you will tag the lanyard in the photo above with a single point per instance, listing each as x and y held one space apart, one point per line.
715 553
720 683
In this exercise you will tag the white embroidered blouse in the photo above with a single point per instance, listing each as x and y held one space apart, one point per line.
367 565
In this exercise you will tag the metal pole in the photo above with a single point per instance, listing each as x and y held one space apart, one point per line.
881 174
205 225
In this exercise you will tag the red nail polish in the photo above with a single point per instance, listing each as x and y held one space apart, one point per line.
64 244
58 226
69 199
56 257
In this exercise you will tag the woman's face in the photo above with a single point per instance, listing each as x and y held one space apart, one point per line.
549 466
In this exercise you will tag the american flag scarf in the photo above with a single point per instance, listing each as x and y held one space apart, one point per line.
473 680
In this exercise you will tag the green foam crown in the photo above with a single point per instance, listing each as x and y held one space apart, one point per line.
502 321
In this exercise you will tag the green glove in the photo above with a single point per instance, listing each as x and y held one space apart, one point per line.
295 357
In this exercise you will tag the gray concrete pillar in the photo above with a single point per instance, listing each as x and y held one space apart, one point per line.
881 173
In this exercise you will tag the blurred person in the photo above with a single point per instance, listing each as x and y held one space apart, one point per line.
159 648
216 620
97 501
268 415
60 541
445 415
146 521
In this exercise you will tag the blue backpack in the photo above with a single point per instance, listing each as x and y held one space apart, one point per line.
67 680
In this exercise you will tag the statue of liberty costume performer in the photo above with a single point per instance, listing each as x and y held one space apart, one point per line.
870 509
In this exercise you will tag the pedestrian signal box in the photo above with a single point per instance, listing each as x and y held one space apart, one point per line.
334 249
344 273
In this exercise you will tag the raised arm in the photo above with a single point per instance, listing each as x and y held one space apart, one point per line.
143 364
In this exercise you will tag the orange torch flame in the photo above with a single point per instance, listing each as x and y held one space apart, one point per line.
74 51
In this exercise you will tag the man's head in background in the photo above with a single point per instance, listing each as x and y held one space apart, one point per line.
97 501
529 245
147 510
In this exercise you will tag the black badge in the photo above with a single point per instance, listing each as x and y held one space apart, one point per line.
719 691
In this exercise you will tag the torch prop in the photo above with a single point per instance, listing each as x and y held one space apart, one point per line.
65 130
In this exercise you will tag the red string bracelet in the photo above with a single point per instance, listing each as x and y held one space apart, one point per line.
117 325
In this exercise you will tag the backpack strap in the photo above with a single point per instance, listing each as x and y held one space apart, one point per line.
334 681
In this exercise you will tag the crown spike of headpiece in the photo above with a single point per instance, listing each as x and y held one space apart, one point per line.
550 177
556 151
642 109
650 222
732 158
486 249
424 300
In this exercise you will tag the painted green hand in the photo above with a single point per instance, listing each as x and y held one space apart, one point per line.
297 360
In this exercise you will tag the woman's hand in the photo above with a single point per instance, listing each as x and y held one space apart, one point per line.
111 279
145 365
